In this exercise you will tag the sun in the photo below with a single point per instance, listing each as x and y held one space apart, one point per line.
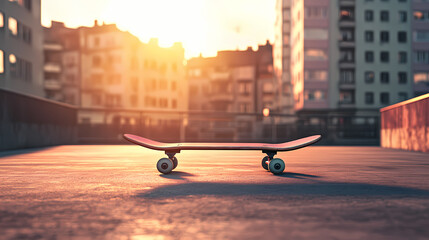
168 20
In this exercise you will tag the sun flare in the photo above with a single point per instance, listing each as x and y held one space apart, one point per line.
168 20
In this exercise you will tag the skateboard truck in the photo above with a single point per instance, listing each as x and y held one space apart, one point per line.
171 153
269 153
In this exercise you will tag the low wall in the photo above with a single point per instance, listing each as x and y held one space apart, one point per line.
27 121
406 125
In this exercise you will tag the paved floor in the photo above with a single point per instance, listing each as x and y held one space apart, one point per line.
115 192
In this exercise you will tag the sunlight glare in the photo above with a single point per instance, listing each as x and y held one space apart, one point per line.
180 21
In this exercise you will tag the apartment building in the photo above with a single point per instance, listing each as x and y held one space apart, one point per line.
119 72
62 63
420 46
348 56
282 58
21 47
240 82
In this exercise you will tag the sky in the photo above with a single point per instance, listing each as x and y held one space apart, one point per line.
203 26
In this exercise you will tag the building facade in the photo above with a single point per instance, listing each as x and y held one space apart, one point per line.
282 58
62 63
21 47
119 72
420 47
348 56
238 82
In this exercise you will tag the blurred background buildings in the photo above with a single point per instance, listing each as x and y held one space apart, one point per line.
332 66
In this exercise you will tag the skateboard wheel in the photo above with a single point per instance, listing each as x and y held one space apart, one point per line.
175 162
276 166
165 165
264 162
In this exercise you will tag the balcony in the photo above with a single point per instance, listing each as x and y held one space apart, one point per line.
52 47
346 104
346 85
347 3
52 67
52 84
221 97
347 22
346 64
346 43
220 76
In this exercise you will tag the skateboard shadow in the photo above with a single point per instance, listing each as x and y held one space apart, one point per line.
297 175
177 175
319 188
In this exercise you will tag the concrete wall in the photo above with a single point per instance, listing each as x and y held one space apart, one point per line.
35 122
406 125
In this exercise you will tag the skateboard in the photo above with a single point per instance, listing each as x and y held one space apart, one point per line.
274 165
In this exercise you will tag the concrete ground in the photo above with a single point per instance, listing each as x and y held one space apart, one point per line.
115 192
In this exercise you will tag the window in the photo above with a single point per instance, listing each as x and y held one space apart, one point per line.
384 77
402 37
134 100
173 103
316 95
384 16
347 76
421 77
402 77
27 5
421 15
347 55
421 57
20 68
384 98
244 88
369 77
96 41
347 35
420 36
316 12
369 98
315 54
347 97
369 56
1 62
402 57
369 15
369 36
402 96
173 85
315 34
384 36
13 26
1 20
347 14
316 75
384 57
96 61
402 16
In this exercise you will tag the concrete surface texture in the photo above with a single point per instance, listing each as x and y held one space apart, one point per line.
115 192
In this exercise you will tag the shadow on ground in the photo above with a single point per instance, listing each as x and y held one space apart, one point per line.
177 175
316 189
8 153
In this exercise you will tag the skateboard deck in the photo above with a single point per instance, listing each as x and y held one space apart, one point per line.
286 146
274 165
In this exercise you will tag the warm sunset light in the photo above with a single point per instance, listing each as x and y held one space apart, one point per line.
203 26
